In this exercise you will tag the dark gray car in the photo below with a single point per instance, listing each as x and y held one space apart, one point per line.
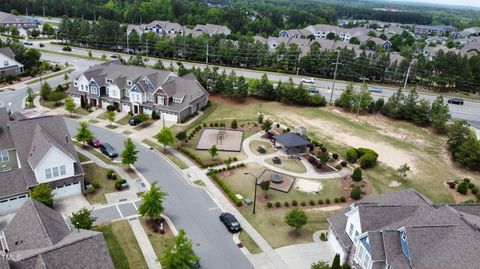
108 150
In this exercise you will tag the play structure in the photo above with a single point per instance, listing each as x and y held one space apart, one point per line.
223 139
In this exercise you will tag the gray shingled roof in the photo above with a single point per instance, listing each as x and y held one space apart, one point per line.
7 51
6 141
291 140
41 144
7 18
26 134
41 237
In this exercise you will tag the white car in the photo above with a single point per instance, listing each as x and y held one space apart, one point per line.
308 80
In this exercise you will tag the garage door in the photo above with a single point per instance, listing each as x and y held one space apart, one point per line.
125 107
170 117
77 100
105 104
67 190
12 204
147 110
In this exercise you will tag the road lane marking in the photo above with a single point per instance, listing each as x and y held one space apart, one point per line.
120 212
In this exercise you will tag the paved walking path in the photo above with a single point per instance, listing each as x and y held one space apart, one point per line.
144 243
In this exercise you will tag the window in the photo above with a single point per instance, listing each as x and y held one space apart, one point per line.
62 170
160 100
48 173
94 89
109 80
404 237
55 172
5 63
75 83
150 97
177 100
4 156
366 261
350 231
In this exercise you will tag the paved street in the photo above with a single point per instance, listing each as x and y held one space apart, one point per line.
189 207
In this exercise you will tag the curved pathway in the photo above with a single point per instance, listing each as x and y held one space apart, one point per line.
311 173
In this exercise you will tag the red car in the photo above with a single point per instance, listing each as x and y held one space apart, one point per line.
95 143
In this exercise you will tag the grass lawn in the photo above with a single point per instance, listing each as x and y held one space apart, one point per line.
144 125
124 120
248 242
93 121
167 154
82 157
103 116
50 104
268 220
81 111
95 173
292 165
254 144
122 245
49 76
158 241
126 132
199 183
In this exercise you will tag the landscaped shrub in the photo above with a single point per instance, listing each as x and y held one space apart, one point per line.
269 205
234 124
320 201
155 115
368 160
356 193
312 202
343 163
335 156
287 204
352 155
142 117
235 159
204 125
323 149
211 124
327 201
91 190
357 174
96 185
278 204
312 159
111 174
225 188
336 200
466 180
342 199
338 167
471 185
451 184
323 237
294 203
118 184
110 108
319 166
216 124
463 187
475 190
323 156
303 203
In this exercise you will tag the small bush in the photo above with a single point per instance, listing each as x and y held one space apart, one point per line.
319 166
204 125
466 180
342 199
320 201
211 124
278 204
451 184
269 205
287 204
352 155
475 190
327 201
110 173
312 202
118 184
356 193
368 160
357 174
142 117
303 203
323 237
294 203
471 185
235 159
91 190
312 159
463 187
96 185
234 124
335 156
338 167
336 200
343 163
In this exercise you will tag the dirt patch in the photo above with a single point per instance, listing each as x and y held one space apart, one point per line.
326 209
458 197
347 184
394 184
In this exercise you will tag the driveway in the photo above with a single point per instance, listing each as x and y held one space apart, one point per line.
188 207
301 256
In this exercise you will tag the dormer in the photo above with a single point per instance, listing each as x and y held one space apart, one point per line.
129 83
178 99
404 242
108 80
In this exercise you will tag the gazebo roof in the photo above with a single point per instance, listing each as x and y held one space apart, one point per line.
291 140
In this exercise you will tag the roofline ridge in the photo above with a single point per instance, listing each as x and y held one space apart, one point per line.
40 219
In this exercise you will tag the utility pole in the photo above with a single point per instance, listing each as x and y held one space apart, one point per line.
206 58
43 8
406 77
334 76
146 45
94 16
128 49
297 64
255 191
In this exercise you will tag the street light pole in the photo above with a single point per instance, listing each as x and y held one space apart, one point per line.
255 192
334 76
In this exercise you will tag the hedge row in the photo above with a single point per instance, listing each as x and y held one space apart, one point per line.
200 162
225 187
340 199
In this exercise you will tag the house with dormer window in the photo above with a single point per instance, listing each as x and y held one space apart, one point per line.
139 90
405 230
32 152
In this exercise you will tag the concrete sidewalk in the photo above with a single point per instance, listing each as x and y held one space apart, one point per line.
144 243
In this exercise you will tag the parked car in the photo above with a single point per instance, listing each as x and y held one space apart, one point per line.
114 56
230 222
376 89
108 150
308 80
27 43
313 90
134 121
67 48
455 101
95 143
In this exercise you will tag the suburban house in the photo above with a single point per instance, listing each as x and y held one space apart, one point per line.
139 90
8 65
7 20
34 151
405 230
39 237
158 27
295 33
211 29
439 30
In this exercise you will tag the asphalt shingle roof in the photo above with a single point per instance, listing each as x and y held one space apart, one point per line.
291 140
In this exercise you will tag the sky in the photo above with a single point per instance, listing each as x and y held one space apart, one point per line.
471 3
